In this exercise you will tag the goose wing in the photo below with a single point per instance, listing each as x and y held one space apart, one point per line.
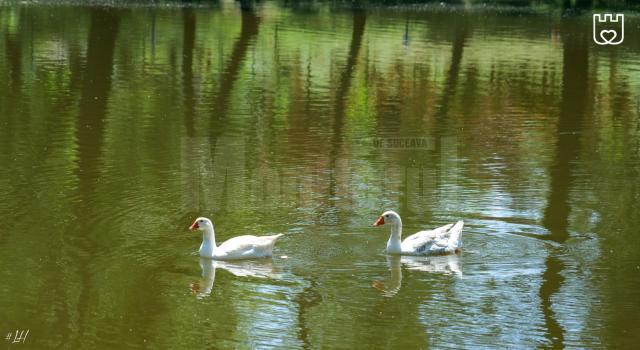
247 247
429 242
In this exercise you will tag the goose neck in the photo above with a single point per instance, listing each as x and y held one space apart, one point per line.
209 237
395 240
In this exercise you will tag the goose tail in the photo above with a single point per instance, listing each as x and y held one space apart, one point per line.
274 238
455 239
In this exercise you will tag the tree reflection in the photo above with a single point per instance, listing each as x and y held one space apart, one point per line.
342 92
95 87
188 43
13 51
217 120
572 110
59 93
457 48
95 93
311 296
248 30
570 124
576 5
307 300
13 44
552 280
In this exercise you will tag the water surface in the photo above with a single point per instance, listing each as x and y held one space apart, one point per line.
120 125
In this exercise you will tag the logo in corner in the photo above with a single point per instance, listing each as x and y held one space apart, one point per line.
608 29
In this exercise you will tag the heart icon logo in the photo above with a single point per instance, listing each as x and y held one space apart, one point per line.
608 28
608 35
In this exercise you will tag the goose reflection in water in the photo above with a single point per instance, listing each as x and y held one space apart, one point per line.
446 264
247 268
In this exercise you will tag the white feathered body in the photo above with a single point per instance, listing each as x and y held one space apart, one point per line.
241 247
440 241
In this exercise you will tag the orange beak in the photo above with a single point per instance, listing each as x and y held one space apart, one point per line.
194 226
379 222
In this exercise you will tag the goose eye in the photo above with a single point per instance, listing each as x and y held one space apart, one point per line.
386 216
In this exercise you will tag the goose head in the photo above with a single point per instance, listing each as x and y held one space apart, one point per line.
201 224
388 217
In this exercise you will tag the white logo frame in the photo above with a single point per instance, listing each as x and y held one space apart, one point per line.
599 35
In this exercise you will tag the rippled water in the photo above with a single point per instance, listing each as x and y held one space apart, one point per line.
120 125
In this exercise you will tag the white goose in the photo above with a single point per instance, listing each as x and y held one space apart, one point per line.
241 247
439 241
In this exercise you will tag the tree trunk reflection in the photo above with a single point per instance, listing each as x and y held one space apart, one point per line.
188 43
570 123
342 92
95 87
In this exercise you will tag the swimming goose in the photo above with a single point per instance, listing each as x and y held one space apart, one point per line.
439 241
241 247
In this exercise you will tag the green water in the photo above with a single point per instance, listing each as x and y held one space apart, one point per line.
120 125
